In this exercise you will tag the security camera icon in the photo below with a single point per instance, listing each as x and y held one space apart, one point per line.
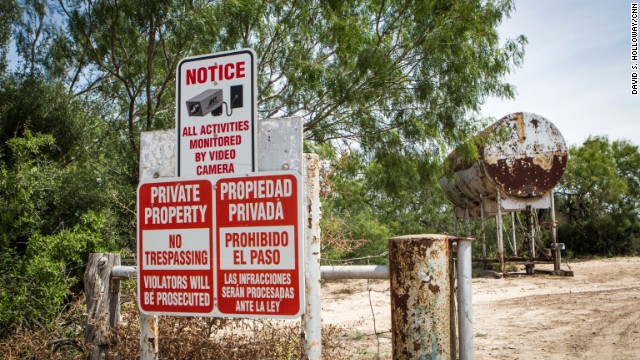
205 102
210 102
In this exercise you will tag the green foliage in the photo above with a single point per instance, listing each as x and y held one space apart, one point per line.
29 104
124 55
372 204
34 287
39 270
598 198
54 208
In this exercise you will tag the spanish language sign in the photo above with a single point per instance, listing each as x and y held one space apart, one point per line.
216 97
227 245
175 247
259 245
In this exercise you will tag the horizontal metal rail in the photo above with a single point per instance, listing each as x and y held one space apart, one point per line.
124 272
326 272
354 272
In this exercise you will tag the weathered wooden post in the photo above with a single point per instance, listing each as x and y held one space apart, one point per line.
420 269
103 303
149 342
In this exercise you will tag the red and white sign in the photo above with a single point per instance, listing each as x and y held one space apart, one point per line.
216 97
175 247
228 245
259 245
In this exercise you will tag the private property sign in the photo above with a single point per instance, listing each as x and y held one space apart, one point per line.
216 97
227 245
175 247
259 247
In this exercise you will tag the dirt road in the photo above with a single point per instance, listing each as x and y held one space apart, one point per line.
594 315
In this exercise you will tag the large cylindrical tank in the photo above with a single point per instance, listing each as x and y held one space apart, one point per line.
523 155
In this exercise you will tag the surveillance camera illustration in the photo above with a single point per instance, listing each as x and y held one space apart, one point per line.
211 101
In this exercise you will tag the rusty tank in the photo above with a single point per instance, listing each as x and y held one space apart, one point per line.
523 155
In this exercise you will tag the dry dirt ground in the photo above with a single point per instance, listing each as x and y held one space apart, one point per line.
593 315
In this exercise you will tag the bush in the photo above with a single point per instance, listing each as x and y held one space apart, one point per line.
46 238
599 197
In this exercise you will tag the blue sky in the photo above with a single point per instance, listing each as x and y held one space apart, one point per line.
577 68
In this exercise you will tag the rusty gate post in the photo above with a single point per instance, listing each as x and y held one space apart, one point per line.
420 270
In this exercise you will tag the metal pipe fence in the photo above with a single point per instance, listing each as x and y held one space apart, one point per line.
149 324
276 153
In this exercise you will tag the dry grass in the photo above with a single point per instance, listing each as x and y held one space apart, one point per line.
180 338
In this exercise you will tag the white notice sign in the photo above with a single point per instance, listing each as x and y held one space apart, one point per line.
216 98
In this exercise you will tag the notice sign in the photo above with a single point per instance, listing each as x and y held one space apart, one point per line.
259 245
216 97
175 247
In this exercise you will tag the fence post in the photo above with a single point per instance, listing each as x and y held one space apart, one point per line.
280 147
103 303
499 237
420 270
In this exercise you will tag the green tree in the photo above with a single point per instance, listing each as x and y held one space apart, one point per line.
598 197
9 14
353 69
364 204
627 159
396 81
125 54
